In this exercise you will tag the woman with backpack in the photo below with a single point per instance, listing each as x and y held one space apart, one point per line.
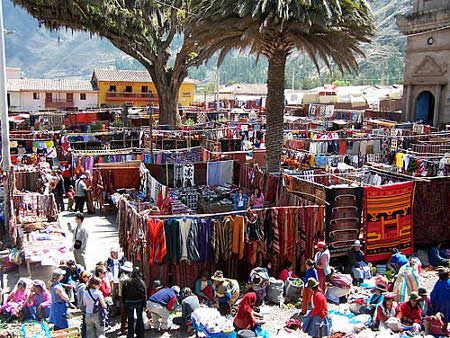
95 308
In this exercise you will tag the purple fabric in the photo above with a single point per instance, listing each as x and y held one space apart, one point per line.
205 240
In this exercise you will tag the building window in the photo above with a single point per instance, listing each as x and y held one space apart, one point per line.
129 89
112 88
144 89
83 96
35 96
8 98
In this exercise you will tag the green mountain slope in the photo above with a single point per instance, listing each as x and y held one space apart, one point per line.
64 53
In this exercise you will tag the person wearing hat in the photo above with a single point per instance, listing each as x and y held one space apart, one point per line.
258 281
410 313
80 193
60 300
125 274
385 312
226 292
373 301
160 304
440 296
80 238
156 286
71 276
318 316
189 304
80 287
357 264
134 295
322 263
114 263
204 287
424 302
38 303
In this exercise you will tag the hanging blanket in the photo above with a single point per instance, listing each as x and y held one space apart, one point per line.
388 220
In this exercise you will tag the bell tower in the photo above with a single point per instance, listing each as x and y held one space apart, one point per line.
426 89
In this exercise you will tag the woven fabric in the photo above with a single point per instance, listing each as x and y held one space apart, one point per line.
388 220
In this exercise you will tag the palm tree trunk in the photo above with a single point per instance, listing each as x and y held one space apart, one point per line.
275 110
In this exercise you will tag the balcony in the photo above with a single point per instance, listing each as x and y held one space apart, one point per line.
127 96
59 103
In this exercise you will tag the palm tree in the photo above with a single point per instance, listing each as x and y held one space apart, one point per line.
330 30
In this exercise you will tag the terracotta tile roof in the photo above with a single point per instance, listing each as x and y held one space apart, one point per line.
245 89
62 85
126 75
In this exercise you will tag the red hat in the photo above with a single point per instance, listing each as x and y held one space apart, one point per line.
321 245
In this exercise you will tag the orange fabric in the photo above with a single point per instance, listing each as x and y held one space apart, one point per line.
307 299
156 241
237 226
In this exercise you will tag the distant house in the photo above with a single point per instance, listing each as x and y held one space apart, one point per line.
243 91
116 87
32 95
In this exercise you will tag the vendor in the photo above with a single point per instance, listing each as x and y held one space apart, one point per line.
319 314
60 300
226 292
287 272
424 302
258 282
438 257
385 311
440 296
204 287
246 318
373 301
322 263
160 305
189 304
16 300
357 264
156 286
38 303
398 259
257 199
240 200
410 313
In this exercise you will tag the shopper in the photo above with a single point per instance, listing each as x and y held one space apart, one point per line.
318 316
114 264
60 300
257 199
134 293
59 191
126 270
240 200
80 193
84 279
80 239
95 306
160 305
100 272
189 304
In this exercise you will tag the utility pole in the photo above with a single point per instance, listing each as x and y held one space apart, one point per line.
6 156
217 89
150 112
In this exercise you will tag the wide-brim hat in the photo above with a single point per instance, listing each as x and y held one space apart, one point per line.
414 296
127 267
218 276
321 245
389 295
83 177
442 270
311 283
356 243
422 292
381 287
157 284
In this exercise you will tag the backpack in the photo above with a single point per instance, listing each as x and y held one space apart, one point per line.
98 308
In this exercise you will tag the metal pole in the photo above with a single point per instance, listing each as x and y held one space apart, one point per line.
151 127
6 156
217 89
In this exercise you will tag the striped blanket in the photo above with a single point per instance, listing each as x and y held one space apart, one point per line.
388 220
407 281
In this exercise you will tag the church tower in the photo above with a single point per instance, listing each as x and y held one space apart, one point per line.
426 89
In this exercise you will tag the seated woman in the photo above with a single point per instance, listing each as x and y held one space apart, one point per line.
385 311
246 318
373 301
258 282
319 314
357 264
287 272
204 287
38 303
410 313
16 300
438 257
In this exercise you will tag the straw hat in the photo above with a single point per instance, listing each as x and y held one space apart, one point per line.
311 283
218 276
389 295
127 267
423 292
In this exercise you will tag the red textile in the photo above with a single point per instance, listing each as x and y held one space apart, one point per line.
284 275
244 318
411 314
322 278
156 241
436 325
105 289
320 305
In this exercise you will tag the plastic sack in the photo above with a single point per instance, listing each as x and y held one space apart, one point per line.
294 289
261 333
275 291
34 329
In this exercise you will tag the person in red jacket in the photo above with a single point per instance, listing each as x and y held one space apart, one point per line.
318 316
287 272
410 313
105 288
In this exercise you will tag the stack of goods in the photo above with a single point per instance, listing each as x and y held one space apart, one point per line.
210 322
215 200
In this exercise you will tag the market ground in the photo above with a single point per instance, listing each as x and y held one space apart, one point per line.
103 235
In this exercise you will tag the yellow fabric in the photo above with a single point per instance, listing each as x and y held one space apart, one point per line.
399 160
49 144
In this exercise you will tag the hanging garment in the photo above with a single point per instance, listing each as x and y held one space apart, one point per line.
185 227
156 241
173 240
193 248
238 236
205 230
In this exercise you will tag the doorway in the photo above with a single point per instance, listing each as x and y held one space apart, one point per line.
425 107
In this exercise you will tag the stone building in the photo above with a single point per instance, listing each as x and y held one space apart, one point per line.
427 73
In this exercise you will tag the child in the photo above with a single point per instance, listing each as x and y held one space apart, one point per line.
71 196
307 293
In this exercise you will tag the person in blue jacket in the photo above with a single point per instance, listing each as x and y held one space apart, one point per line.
240 200
204 288
398 259
440 296
437 256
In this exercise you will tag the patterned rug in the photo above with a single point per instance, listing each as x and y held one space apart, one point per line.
388 220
